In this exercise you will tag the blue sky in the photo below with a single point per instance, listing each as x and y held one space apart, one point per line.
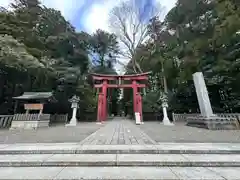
90 15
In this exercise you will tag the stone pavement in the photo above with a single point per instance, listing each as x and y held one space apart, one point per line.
181 133
53 134
119 149
120 173
82 158
119 131
78 148
116 132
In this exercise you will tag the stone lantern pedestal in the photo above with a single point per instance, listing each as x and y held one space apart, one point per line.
164 101
75 99
166 120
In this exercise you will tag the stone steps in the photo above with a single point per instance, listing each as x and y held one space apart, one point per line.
75 161
164 148
160 160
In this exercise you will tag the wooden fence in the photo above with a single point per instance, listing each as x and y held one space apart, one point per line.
5 121
183 117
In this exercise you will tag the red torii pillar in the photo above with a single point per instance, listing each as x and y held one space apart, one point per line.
100 105
104 92
135 91
102 97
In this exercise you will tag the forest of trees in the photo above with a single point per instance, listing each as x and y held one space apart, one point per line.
196 35
41 51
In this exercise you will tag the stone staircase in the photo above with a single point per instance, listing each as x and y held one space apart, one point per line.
169 161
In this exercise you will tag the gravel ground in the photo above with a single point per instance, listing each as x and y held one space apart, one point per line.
57 134
181 133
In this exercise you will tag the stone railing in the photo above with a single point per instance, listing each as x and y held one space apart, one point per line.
58 118
5 121
184 117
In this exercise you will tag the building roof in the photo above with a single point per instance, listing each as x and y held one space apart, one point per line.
35 95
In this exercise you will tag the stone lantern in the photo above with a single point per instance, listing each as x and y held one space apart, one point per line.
164 102
74 100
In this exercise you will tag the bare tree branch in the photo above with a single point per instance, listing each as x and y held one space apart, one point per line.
129 21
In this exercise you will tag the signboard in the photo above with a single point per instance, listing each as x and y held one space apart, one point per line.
137 117
33 106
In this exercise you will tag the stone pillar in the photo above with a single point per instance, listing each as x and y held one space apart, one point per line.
202 95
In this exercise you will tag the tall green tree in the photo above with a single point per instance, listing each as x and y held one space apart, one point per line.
104 47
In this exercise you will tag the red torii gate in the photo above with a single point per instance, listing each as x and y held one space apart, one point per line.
102 96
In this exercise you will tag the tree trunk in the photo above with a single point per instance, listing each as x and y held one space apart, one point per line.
164 79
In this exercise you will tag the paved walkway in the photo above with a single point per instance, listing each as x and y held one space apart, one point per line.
118 131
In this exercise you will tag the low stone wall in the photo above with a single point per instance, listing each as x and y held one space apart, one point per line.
29 124
221 121
152 116
183 117
88 116
213 123
30 121
58 118
5 121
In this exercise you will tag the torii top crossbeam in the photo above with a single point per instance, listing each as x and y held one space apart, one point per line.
120 78
142 76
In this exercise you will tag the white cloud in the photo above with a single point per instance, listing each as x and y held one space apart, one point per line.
97 16
5 3
168 4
